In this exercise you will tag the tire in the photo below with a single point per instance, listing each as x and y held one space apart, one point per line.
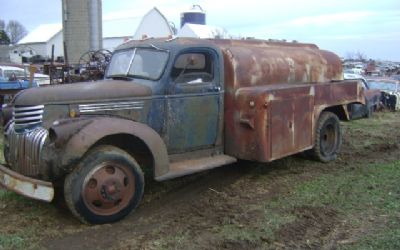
105 186
328 138
370 112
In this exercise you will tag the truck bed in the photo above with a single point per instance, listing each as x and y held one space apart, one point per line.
268 122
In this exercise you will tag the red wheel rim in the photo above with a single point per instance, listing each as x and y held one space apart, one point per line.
108 188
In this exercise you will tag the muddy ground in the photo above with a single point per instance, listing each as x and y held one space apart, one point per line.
245 205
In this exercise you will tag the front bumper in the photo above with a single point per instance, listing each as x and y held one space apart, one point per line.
28 187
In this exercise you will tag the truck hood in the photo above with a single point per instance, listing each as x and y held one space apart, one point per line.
78 92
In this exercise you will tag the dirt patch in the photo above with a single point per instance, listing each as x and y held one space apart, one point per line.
310 229
238 245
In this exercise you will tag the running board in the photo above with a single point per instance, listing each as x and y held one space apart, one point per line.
187 167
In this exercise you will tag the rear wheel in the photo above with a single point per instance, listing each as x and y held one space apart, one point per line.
370 112
105 187
328 138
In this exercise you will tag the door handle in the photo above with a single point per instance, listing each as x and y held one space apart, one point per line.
215 88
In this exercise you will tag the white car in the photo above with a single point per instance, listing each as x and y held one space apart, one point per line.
9 71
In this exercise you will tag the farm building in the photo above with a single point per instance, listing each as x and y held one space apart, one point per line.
115 32
40 41
152 24
201 31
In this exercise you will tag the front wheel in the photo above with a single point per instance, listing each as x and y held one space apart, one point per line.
328 138
105 187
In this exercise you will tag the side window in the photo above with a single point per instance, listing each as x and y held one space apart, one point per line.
193 68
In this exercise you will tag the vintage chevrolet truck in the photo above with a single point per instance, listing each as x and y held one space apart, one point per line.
168 108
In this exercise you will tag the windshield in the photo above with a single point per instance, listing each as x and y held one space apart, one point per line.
18 73
140 63
389 86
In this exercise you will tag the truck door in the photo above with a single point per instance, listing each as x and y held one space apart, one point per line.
193 102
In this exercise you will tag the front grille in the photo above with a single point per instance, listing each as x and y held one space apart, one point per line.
24 150
27 116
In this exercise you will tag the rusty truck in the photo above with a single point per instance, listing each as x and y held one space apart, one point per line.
168 108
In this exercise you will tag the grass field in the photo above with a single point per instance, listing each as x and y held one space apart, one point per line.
293 203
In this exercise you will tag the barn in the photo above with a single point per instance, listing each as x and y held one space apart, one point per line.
115 32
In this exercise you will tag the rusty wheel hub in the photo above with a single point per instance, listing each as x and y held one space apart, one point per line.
328 139
108 188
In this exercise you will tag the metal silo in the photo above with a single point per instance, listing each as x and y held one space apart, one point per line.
195 15
82 27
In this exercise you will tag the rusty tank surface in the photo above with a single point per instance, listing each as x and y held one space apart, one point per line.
288 68
257 63
173 107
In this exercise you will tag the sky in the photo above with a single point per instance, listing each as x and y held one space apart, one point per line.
345 27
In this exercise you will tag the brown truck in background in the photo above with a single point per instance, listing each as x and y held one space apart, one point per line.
171 108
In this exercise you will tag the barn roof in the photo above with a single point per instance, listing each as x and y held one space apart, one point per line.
42 34
199 31
113 27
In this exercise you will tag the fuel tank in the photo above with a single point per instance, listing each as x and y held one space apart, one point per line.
258 62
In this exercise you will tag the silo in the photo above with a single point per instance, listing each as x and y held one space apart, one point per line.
82 27
195 15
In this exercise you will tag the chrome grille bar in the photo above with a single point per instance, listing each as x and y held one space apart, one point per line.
25 149
96 107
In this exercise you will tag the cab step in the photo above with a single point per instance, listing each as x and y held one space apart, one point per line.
187 167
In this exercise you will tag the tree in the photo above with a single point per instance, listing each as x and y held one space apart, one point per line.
4 39
15 31
361 56
356 56
220 33
2 25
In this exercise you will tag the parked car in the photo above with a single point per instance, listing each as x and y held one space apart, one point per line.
396 77
14 78
390 91
372 99
7 72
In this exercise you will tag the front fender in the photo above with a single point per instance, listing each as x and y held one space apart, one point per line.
73 138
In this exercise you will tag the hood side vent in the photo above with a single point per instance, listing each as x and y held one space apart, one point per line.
26 117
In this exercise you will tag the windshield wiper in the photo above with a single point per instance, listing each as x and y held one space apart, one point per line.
140 76
120 77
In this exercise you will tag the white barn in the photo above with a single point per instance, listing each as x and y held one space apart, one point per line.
118 31
153 24
115 32
201 31
40 41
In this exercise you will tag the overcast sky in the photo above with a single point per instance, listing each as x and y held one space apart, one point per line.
343 26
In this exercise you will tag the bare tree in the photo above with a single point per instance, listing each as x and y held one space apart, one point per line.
219 33
15 31
2 25
360 56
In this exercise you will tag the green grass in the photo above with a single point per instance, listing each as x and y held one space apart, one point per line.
371 131
355 194
12 242
369 191
352 189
